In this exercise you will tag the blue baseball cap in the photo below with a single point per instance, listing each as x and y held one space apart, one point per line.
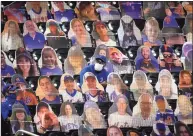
159 97
16 79
161 126
166 48
101 57
68 77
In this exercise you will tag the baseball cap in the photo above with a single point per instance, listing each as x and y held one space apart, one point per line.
166 48
17 78
101 57
68 77
161 126
89 74
159 97
90 104
42 104
22 52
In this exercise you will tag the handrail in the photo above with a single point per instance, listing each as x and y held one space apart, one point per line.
25 132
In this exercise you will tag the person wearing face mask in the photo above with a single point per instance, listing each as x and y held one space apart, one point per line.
24 94
169 61
97 69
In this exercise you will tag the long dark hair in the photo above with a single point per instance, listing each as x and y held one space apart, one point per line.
177 128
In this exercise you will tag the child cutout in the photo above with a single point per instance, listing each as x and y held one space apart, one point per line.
11 37
92 116
24 93
163 110
120 114
92 89
68 118
75 61
55 36
69 89
33 38
145 60
183 109
45 119
6 66
151 33
116 86
62 12
26 66
166 85
78 34
46 91
20 119
49 63
185 83
140 84
38 11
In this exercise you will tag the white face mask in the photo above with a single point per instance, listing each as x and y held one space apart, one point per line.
98 67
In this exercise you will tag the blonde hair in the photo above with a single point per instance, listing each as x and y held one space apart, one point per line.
6 27
73 21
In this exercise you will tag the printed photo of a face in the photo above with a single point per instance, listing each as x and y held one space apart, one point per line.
116 55
181 129
33 38
20 119
107 11
86 11
176 9
7 69
114 131
133 9
185 79
187 6
45 118
62 12
160 129
187 53
38 11
151 33
26 66
15 11
169 60
133 133
55 36
11 36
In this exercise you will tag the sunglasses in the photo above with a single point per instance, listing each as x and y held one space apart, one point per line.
167 55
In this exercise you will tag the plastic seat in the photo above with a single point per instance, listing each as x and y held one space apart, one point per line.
153 78
56 80
32 82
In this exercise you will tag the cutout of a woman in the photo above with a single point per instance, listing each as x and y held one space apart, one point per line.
68 118
46 91
78 34
115 87
75 61
26 65
140 84
92 115
7 69
128 33
166 85
180 128
11 37
102 50
20 119
55 36
45 118
120 114
183 109
114 131
185 83
145 60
